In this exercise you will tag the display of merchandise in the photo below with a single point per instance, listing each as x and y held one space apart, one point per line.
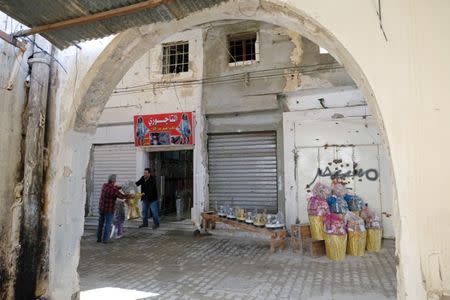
354 202
317 206
230 213
275 221
260 220
339 190
321 190
334 224
371 219
337 204
222 212
249 216
240 214
354 223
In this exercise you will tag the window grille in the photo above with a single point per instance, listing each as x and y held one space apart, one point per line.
175 57
243 48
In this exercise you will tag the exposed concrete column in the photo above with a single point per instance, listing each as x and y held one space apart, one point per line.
33 232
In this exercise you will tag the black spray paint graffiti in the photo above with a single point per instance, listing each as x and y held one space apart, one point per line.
370 174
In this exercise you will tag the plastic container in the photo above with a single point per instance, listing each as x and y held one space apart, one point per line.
335 246
316 227
374 236
356 244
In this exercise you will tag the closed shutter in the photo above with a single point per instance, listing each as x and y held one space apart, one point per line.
243 171
119 159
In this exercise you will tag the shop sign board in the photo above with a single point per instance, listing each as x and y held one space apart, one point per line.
163 129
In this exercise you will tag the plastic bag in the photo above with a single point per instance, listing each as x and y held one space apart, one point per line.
354 202
317 206
334 224
354 223
339 190
337 205
321 190
371 219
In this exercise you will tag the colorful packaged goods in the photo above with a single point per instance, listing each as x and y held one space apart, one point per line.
334 224
354 202
354 223
317 206
339 190
321 190
337 205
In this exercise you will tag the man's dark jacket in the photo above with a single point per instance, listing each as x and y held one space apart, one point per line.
148 187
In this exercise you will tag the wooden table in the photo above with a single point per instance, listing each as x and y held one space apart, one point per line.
277 236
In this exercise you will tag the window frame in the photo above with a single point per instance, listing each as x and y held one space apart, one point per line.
244 36
167 65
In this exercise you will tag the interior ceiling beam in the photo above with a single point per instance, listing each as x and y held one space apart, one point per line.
149 4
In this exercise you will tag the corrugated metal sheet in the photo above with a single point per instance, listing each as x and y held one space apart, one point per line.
243 171
36 13
119 159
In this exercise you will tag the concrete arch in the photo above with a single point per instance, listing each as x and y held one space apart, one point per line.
308 18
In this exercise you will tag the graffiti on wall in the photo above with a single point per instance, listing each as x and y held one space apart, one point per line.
369 174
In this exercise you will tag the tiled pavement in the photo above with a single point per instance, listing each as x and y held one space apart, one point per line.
175 265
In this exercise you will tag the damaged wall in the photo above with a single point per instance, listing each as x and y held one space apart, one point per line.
12 105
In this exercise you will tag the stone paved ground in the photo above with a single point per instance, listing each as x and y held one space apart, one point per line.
177 265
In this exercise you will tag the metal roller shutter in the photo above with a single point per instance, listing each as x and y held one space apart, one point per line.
243 171
119 159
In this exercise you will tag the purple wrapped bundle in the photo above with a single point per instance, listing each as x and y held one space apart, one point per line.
317 206
334 224
321 190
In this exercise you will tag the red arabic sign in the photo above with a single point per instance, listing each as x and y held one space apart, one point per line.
163 129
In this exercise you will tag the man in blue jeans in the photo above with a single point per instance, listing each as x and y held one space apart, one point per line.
110 193
149 198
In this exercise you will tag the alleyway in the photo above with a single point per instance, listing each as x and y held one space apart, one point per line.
176 265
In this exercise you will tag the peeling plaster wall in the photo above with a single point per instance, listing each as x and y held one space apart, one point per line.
12 106
398 75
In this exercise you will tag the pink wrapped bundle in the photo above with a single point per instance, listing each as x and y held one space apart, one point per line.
334 224
317 206
321 190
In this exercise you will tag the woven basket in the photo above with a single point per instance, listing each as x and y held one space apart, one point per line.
316 226
374 239
335 246
356 244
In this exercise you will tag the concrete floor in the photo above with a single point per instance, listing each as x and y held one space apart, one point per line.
145 264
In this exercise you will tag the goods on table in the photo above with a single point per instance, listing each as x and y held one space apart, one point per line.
321 190
260 220
335 246
240 214
222 212
374 239
249 217
354 202
275 221
230 213
317 206
337 204
356 243
316 226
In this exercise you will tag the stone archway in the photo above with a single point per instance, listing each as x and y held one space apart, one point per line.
112 64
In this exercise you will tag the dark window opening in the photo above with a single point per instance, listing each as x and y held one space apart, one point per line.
243 48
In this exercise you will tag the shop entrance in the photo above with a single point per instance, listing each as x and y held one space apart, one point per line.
174 175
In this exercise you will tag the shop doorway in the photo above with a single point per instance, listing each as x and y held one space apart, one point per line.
174 175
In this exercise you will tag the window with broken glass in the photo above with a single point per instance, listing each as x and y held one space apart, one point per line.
175 58
243 49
